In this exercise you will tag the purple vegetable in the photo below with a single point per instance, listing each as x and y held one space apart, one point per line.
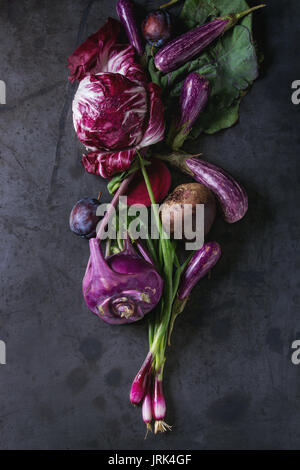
159 407
139 385
157 28
143 251
193 99
116 112
147 407
115 116
159 403
190 44
121 289
125 10
231 195
203 261
103 104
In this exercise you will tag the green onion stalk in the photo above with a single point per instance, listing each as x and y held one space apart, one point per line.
159 325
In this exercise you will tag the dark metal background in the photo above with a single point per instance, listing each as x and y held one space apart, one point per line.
229 378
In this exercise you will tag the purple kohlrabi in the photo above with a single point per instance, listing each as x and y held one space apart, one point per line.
123 287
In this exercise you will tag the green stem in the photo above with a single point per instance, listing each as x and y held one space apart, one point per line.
107 247
243 13
169 4
151 333
164 240
151 249
235 17
159 339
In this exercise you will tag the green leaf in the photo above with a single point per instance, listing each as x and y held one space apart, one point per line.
230 64
149 57
177 309
214 120
196 12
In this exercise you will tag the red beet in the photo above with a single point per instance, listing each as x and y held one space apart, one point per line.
160 179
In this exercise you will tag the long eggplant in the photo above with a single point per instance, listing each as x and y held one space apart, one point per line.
182 49
125 10
202 261
232 197
193 99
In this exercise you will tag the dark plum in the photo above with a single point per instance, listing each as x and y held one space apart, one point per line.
83 218
157 27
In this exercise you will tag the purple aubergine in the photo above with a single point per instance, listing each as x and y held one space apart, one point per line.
126 13
83 217
202 261
182 49
193 100
157 28
231 195
122 288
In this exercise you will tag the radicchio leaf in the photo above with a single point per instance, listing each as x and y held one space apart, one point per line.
107 164
86 58
156 125
109 112
115 110
101 52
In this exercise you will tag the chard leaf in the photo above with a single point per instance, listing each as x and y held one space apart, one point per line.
230 64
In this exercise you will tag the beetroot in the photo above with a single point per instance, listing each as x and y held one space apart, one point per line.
160 179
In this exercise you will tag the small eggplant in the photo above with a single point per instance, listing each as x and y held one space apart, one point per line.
125 10
231 195
182 49
202 261
193 99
